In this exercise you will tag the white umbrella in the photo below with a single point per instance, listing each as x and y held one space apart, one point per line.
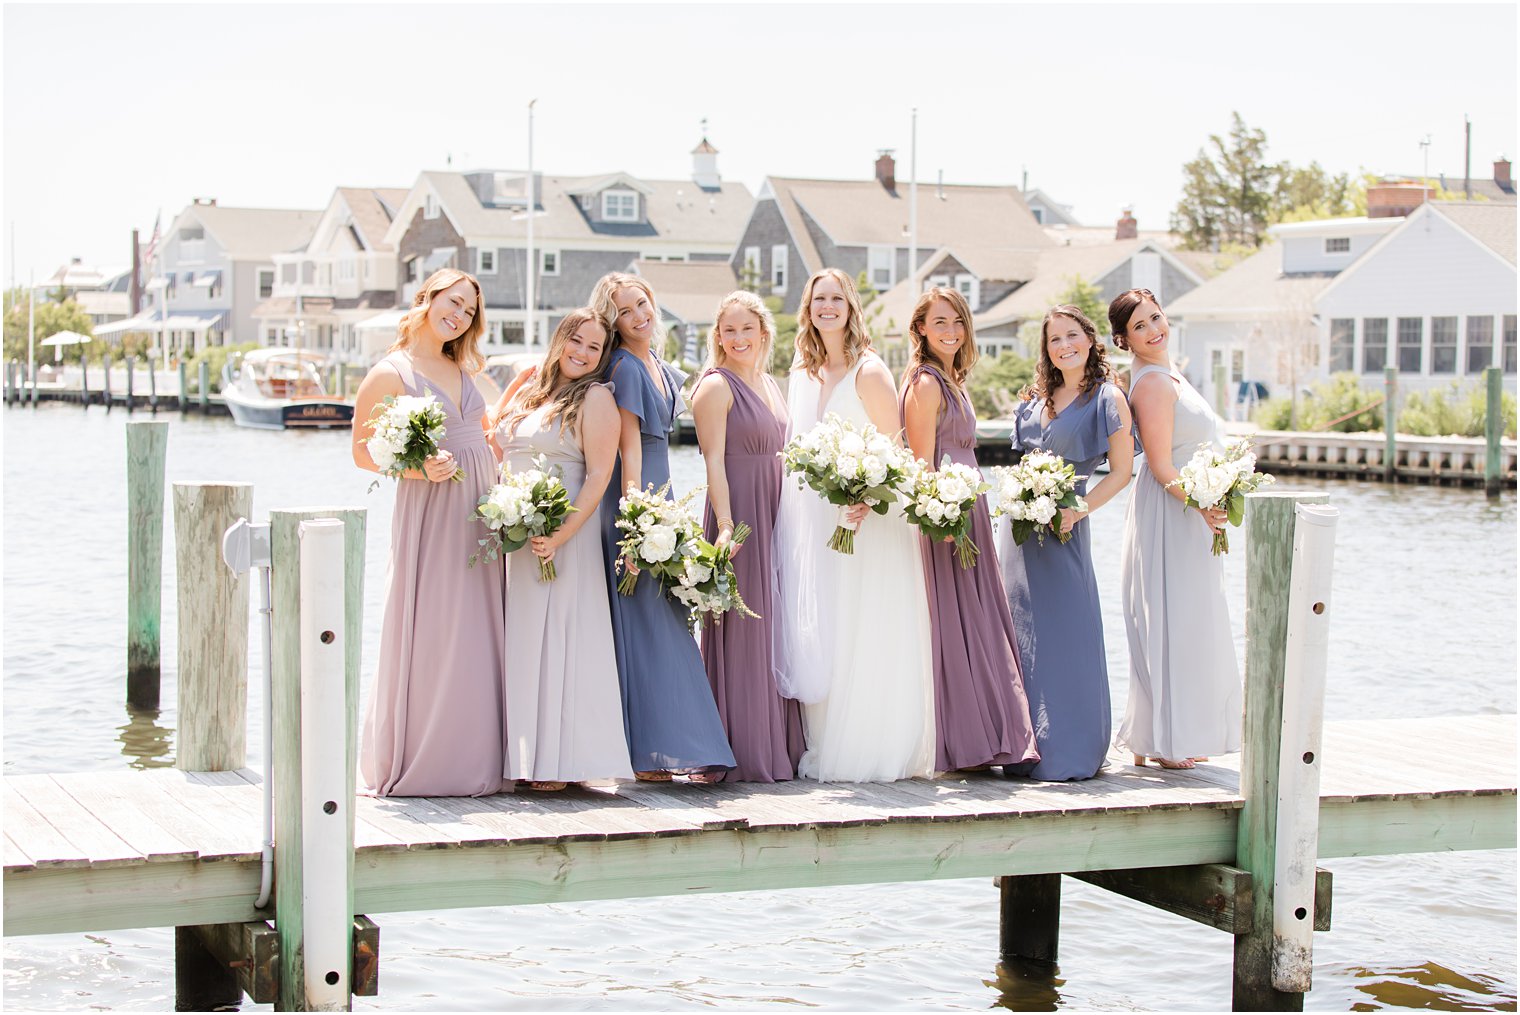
62 339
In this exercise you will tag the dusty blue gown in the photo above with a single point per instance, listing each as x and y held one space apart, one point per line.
1053 597
669 714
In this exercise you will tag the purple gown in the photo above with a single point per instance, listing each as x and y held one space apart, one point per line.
764 729
981 715
434 725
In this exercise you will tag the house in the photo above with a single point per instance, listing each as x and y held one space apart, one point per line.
688 293
583 227
210 271
319 296
799 226
102 293
1432 293
1046 211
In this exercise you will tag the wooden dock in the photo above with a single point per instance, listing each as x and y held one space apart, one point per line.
108 850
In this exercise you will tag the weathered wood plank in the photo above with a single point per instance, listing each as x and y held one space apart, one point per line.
47 846
146 444
1215 895
1439 825
79 899
124 815
250 951
211 820
16 858
103 847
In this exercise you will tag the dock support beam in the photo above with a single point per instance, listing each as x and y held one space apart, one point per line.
146 445
1030 922
1269 569
202 981
285 549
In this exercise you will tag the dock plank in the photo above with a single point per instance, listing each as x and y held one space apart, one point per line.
216 830
154 842
15 857
47 846
99 844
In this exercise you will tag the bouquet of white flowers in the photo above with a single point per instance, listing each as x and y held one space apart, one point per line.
940 503
407 431
707 583
847 466
1213 479
659 536
1032 494
521 506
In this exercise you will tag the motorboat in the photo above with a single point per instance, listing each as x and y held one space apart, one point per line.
278 389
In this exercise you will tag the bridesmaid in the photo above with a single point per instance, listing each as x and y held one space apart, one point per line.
564 716
434 722
1184 681
981 713
1074 410
669 716
741 425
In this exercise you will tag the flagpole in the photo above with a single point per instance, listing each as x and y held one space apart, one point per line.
31 329
529 329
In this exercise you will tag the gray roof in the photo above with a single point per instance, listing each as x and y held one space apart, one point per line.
688 290
1490 223
677 209
257 232
372 209
1252 287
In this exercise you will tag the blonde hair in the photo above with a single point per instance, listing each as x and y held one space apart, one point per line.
608 286
965 356
464 349
752 303
811 354
541 387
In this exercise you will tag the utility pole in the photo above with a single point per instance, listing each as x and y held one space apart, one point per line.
913 197
1467 162
528 299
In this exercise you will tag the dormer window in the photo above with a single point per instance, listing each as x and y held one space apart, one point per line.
430 207
1337 244
620 206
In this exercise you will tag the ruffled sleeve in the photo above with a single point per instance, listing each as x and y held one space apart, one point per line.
677 380
1101 423
1026 428
633 390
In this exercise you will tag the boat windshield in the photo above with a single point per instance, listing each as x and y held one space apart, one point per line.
286 377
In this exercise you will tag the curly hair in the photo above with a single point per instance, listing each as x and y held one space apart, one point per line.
811 354
463 349
1048 379
965 356
1123 308
746 301
541 387
608 286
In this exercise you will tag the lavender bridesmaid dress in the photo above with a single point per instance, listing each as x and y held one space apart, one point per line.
764 729
434 725
980 711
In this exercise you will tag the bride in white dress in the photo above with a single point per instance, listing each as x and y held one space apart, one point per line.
854 637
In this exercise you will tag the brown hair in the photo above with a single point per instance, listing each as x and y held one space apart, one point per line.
540 389
464 349
752 303
965 356
608 286
811 354
1123 308
1048 379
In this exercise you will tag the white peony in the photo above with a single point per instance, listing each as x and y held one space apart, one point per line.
953 488
851 444
874 468
383 456
879 446
1042 510
847 466
658 545
952 512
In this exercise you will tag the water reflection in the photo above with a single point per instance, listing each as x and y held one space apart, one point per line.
144 741
1027 985
1431 986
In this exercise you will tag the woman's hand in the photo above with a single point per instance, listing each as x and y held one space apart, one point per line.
1215 518
855 514
544 547
441 467
1069 519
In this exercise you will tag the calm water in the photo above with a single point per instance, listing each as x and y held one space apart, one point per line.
1425 593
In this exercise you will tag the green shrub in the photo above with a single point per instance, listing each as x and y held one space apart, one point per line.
1452 410
1341 395
996 381
215 356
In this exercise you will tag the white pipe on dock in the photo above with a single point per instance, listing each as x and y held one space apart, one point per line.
266 638
1299 758
325 801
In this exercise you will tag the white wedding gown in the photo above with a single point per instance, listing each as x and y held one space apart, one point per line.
854 642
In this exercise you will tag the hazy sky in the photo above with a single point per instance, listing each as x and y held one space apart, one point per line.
115 112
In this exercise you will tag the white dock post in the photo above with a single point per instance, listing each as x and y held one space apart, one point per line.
326 798
1299 760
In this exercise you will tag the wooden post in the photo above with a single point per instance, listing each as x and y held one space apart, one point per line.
152 385
9 379
285 766
1493 429
1269 566
1390 424
131 368
184 386
146 444
205 385
1030 924
1220 402
213 629
84 378
202 982
106 384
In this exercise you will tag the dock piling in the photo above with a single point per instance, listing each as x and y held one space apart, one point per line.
1390 424
285 766
1493 429
146 445
1030 920
184 386
202 982
106 384
131 369
205 386
152 385
84 379
1269 568
213 628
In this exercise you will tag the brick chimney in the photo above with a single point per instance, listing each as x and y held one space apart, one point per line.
1126 228
1395 198
886 169
1501 175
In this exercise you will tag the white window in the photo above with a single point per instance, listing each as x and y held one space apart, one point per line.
1145 272
1039 214
485 262
1337 244
751 274
939 282
192 244
413 269
266 283
548 262
430 207
970 287
620 206
881 267
346 269
778 269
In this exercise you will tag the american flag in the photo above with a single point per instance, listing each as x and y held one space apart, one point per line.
152 246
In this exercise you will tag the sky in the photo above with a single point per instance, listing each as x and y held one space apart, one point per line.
115 113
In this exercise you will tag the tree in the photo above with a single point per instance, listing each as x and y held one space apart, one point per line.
1086 297
784 348
1310 193
996 381
51 318
1227 190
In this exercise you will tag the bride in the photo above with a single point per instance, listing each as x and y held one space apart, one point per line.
854 636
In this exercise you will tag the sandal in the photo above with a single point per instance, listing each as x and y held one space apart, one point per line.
659 775
707 778
552 786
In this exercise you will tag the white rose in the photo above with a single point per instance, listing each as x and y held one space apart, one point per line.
952 512
847 467
936 512
953 488
879 446
697 573
875 469
851 444
658 544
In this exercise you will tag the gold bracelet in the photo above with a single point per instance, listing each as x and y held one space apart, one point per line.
726 521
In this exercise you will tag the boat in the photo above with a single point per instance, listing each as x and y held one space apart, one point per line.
278 389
